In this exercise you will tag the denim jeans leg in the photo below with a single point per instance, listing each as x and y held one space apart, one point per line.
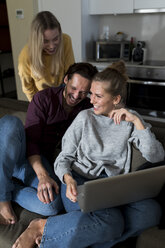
68 204
26 196
12 153
28 176
78 229
138 216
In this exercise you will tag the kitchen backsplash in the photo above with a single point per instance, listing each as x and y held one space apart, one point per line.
143 27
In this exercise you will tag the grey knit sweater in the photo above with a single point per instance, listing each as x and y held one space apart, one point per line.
94 143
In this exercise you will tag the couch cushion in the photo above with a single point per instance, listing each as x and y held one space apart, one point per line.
137 159
160 134
151 238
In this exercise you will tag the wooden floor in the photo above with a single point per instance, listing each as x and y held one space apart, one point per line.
13 104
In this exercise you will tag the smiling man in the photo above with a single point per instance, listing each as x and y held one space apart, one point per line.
52 110
76 89
49 114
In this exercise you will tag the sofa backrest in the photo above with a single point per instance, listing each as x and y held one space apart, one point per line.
137 159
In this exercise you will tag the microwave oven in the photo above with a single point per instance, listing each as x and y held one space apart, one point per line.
112 50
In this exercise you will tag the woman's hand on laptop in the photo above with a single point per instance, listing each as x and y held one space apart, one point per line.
71 187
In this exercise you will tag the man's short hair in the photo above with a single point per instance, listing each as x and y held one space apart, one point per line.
84 69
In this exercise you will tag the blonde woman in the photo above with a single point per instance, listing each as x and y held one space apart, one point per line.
47 56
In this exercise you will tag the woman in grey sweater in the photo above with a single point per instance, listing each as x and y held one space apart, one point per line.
98 144
99 140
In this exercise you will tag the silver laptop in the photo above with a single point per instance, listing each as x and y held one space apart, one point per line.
121 189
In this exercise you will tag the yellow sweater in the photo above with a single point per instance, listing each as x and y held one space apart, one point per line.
30 83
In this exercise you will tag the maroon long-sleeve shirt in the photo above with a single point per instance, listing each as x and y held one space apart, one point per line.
47 121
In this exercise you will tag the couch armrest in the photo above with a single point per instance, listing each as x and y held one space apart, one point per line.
137 159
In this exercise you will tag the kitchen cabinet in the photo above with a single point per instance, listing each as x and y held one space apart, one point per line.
149 4
100 7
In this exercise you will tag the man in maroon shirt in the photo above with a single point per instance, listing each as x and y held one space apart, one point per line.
49 115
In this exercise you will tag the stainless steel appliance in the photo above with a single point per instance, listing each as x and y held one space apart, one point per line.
146 88
139 53
111 50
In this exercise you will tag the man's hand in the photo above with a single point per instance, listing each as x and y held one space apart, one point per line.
46 186
71 187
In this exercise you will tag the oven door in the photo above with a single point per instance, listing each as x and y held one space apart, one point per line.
147 97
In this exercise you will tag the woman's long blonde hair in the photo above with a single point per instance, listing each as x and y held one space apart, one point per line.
44 20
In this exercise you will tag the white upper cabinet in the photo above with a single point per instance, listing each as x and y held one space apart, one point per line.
102 7
149 4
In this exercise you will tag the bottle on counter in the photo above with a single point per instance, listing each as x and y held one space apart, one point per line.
131 48
105 34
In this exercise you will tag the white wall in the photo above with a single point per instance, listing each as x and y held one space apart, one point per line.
90 31
19 30
145 27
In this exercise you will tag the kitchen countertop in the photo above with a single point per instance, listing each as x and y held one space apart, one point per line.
102 65
135 70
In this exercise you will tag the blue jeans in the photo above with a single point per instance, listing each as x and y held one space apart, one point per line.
98 229
13 163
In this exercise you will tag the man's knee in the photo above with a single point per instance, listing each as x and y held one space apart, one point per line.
9 122
12 135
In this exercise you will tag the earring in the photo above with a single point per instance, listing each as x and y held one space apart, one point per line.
116 106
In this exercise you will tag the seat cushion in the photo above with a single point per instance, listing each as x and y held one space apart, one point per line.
151 238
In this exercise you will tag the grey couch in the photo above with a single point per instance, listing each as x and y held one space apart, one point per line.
153 237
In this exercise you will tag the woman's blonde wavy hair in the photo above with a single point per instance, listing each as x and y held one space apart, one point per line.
44 20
